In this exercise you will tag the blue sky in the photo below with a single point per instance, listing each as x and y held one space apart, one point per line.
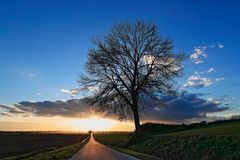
44 44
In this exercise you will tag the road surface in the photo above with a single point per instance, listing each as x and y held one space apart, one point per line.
96 151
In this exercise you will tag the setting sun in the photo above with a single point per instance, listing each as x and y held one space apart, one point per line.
92 123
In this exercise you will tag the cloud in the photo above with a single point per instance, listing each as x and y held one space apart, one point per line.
184 108
175 108
24 74
199 53
225 100
210 70
218 45
147 59
198 61
152 60
75 108
197 81
220 79
92 88
7 114
12 109
72 92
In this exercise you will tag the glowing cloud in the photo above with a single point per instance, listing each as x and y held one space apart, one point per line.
199 53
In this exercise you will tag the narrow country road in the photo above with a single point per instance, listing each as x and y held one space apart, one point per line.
96 151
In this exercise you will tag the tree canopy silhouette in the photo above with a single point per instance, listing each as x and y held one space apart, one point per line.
128 65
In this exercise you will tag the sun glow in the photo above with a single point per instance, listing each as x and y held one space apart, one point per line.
92 123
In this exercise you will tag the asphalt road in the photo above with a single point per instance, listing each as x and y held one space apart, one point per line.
96 151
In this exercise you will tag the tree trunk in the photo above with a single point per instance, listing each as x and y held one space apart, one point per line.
137 122
136 116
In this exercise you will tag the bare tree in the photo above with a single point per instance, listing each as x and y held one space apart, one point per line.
129 64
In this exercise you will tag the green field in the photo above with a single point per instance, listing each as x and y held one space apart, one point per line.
210 142
112 139
232 128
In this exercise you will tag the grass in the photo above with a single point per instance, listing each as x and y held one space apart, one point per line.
218 141
63 153
232 128
139 155
190 147
208 142
24 144
118 140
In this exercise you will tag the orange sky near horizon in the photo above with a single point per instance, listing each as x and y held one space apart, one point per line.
63 124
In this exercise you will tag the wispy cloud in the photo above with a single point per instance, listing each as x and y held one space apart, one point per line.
12 109
197 81
210 70
7 114
90 88
225 100
198 61
220 79
199 53
72 92
218 45
24 74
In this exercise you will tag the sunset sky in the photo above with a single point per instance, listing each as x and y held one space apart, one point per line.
44 45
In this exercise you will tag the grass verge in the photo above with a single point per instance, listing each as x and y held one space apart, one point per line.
119 142
139 155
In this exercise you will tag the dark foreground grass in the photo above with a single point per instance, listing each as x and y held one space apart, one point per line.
119 142
190 147
13 144
63 153
215 142
139 155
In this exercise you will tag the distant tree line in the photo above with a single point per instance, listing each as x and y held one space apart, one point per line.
112 132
